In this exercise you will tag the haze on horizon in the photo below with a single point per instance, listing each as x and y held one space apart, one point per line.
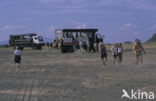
118 20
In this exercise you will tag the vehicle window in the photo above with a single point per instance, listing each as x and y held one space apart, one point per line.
40 38
99 36
25 37
90 35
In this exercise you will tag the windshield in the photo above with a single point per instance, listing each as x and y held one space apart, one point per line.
99 36
40 38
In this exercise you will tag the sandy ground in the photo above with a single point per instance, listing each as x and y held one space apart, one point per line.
51 76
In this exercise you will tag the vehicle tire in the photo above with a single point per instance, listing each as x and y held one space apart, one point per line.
38 47
34 47
71 49
21 47
63 49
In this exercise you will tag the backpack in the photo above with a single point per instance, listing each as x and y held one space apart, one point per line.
103 50
138 49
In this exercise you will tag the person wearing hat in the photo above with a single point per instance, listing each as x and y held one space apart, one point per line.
17 55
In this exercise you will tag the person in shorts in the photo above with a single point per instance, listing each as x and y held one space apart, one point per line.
114 52
119 53
103 53
17 57
138 51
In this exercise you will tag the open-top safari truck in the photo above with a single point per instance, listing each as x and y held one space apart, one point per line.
68 39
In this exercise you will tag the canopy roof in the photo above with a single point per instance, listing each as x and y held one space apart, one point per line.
26 34
80 30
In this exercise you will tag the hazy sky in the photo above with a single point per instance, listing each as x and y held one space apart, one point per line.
118 20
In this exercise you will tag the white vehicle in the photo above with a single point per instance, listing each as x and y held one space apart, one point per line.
38 40
27 40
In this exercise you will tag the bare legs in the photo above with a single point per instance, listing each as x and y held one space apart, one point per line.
119 62
104 60
114 60
139 60
18 66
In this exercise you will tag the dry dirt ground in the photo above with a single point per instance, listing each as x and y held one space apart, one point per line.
51 76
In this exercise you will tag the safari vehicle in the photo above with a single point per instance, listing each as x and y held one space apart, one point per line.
64 40
68 39
27 40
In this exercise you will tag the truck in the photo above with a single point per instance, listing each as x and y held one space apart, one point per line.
68 39
27 40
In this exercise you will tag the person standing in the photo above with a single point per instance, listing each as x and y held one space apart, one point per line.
88 45
96 47
103 53
48 45
138 50
91 47
119 53
114 52
81 46
51 46
17 57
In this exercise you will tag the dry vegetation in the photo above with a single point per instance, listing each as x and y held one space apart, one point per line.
51 76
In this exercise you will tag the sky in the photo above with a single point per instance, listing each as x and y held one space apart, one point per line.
117 20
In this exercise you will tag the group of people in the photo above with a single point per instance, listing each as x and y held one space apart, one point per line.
117 51
88 47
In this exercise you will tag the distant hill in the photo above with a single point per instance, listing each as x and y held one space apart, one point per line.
153 38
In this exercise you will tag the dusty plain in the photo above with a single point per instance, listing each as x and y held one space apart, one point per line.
52 76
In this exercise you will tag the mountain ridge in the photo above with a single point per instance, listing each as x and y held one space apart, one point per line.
152 39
